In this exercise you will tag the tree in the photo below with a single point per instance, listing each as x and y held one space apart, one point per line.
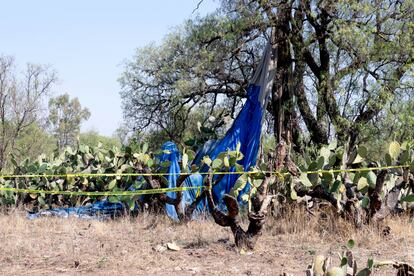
21 99
93 138
65 118
339 65
33 142
164 86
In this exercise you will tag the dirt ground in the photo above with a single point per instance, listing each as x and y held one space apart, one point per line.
135 246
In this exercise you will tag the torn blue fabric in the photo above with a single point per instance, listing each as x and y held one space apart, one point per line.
246 130
101 210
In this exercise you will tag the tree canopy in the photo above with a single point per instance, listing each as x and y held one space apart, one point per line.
65 118
340 65
21 97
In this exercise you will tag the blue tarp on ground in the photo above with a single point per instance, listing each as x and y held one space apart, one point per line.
100 210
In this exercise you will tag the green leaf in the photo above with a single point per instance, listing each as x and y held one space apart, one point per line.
112 184
325 152
412 167
239 185
362 183
362 151
165 164
313 177
365 202
394 150
358 159
305 180
293 194
335 186
350 244
131 203
321 162
113 199
125 167
69 150
388 159
226 161
328 178
408 198
191 154
344 261
14 162
239 168
144 147
333 145
332 160
185 161
217 164
405 157
190 142
128 150
41 200
42 168
371 178
370 263
207 160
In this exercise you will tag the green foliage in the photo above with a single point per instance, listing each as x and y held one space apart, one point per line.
21 98
318 173
65 117
348 265
350 244
84 159
360 90
93 138
33 141
332 180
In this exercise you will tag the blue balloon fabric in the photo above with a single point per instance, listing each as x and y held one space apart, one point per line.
249 139
101 210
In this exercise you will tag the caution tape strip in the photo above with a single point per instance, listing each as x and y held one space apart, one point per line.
69 175
92 194
357 169
161 190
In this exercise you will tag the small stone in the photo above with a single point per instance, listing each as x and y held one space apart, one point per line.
172 246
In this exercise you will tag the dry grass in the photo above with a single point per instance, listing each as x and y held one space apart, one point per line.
126 246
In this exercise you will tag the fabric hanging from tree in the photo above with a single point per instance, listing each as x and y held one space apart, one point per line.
246 130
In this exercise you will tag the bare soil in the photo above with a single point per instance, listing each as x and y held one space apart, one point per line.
135 246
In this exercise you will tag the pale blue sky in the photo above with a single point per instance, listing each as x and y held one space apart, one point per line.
87 41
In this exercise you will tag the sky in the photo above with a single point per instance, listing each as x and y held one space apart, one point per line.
87 41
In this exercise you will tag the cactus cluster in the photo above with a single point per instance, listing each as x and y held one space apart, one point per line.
396 185
321 265
84 160
335 186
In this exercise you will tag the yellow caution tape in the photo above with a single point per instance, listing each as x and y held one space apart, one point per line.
279 174
118 193
68 175
357 169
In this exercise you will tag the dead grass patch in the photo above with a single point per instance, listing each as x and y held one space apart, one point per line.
127 245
